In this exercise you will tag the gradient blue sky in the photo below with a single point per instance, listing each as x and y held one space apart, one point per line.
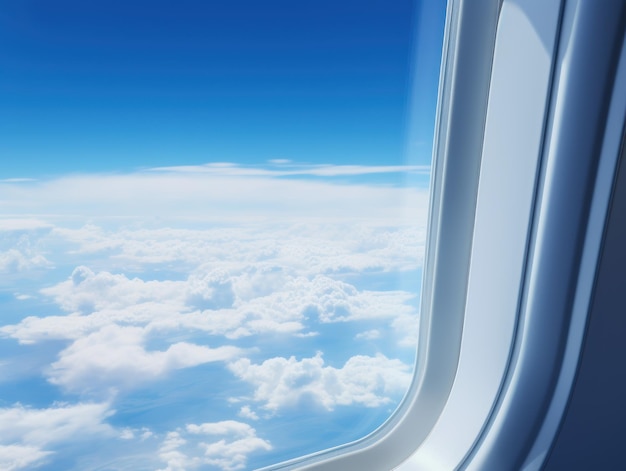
116 85
210 240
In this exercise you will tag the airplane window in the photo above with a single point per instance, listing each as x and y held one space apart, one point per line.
212 226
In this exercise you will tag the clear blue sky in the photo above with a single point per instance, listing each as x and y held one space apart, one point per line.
116 85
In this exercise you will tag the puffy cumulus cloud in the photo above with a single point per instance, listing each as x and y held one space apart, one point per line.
215 301
212 291
26 434
20 248
115 357
98 300
324 298
335 301
247 413
176 460
285 382
225 445
15 260
290 309
86 291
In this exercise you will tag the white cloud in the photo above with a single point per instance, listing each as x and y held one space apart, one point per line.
368 335
335 301
55 424
25 433
225 427
232 442
14 260
127 434
303 248
287 168
212 291
86 291
214 301
224 192
14 457
19 248
284 382
247 413
142 433
115 357
176 460
298 302
408 329
202 257
22 224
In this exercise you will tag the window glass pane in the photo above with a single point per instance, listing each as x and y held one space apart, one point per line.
212 223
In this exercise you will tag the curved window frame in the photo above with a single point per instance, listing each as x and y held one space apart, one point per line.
529 129
463 90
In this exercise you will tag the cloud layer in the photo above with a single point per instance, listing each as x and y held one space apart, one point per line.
285 382
126 283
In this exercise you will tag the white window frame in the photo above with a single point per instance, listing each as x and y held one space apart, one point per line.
530 121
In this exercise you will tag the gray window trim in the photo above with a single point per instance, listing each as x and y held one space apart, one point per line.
529 126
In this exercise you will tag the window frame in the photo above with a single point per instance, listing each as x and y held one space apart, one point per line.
495 370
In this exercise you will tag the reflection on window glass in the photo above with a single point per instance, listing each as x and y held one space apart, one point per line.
212 226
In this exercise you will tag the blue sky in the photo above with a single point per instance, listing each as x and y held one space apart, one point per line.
111 85
212 225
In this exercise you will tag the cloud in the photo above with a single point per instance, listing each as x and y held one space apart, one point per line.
215 301
114 357
368 335
408 328
363 380
22 224
25 433
246 413
225 445
14 457
176 460
86 291
19 248
212 291
297 304
336 301
228 251
224 192
265 252
287 168
129 433
14 261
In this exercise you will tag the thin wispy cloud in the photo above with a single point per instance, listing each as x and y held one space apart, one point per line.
285 168
214 193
